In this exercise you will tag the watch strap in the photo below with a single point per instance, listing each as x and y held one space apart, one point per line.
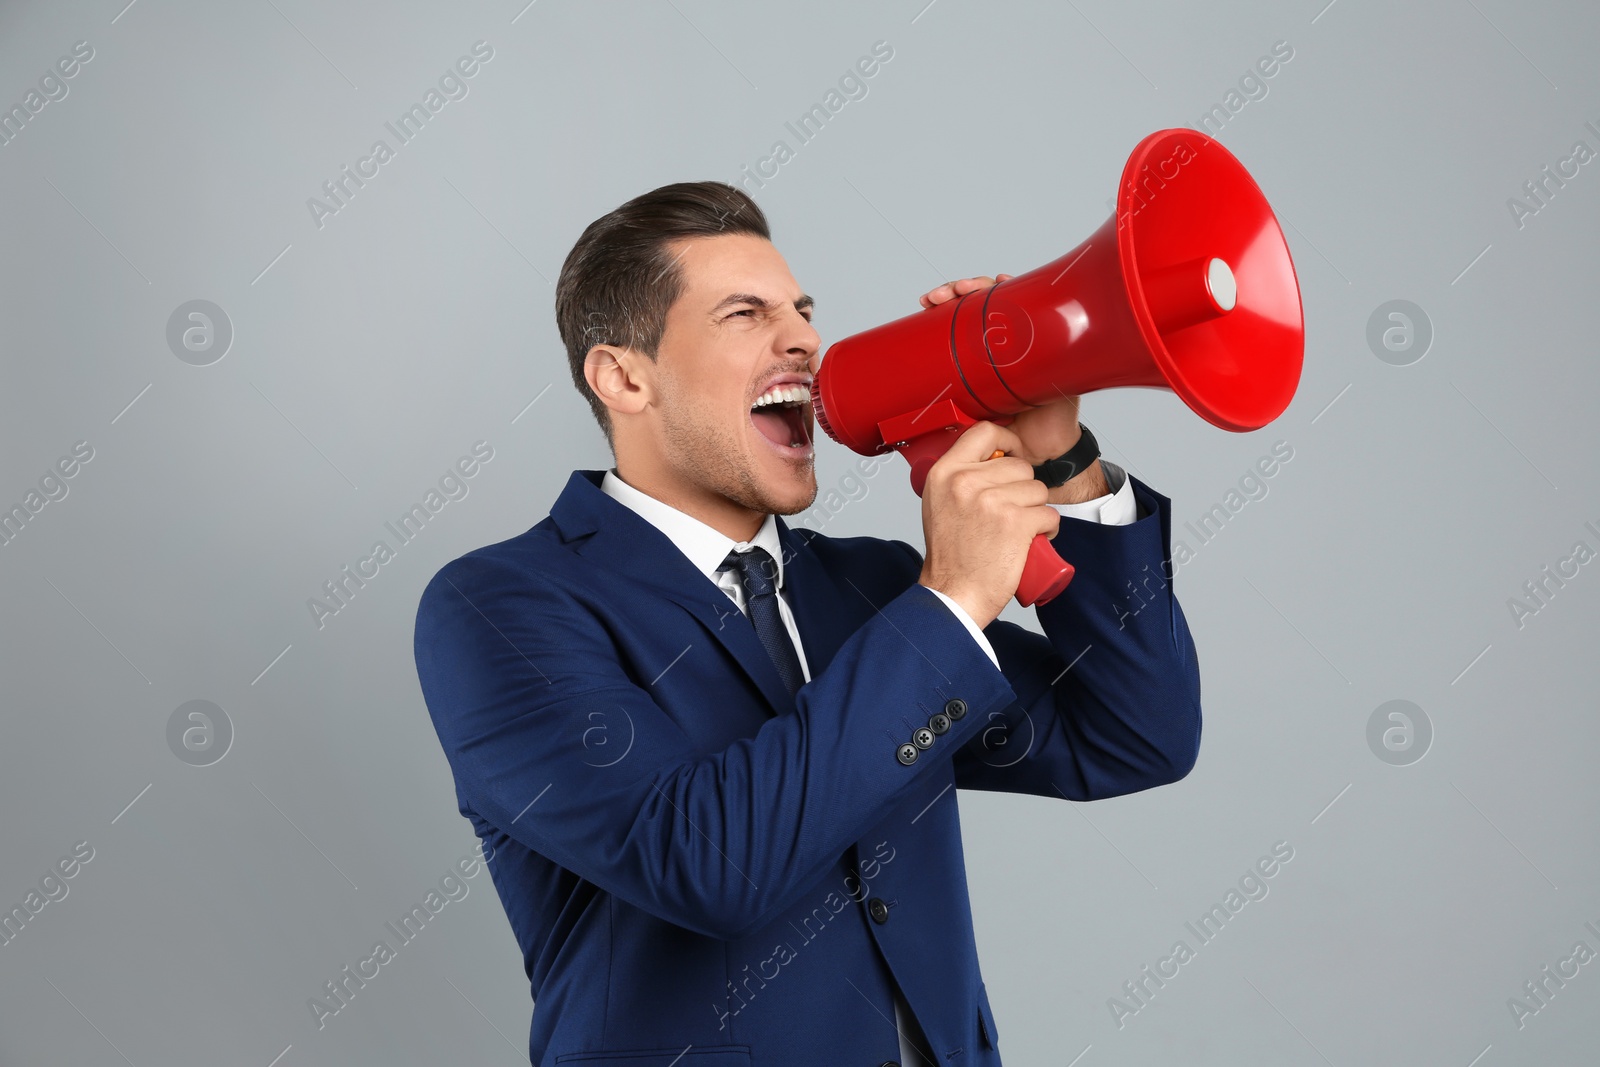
1071 463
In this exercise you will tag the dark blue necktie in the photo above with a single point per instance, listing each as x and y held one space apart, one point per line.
758 573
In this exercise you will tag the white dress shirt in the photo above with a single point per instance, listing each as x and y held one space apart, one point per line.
706 548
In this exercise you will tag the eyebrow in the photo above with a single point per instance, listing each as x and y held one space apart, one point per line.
760 302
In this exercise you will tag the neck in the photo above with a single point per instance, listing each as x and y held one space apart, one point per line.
732 520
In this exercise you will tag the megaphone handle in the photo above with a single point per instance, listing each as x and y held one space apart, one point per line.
1045 574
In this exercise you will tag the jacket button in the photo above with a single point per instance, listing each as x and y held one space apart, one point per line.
923 738
939 723
890 1063
955 708
906 754
878 910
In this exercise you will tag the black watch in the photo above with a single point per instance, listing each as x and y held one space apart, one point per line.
1073 462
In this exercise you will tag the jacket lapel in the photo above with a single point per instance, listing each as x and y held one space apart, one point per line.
823 611
608 532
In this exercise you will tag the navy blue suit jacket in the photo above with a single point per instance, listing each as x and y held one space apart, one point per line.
703 870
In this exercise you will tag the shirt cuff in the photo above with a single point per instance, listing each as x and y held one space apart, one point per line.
1116 508
971 624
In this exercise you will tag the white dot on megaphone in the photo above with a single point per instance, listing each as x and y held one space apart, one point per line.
1220 281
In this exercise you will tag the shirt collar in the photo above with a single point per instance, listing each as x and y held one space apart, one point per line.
704 546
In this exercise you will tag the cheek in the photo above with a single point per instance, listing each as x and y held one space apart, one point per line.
713 401
699 418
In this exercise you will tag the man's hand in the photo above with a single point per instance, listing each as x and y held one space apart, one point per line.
951 290
979 515
1044 432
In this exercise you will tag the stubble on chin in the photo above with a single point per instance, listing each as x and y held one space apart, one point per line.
741 483
712 456
779 508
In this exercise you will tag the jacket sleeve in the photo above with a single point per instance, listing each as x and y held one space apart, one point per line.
515 670
1109 698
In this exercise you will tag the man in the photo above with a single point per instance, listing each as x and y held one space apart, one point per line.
713 755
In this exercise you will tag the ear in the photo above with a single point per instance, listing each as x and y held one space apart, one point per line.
622 378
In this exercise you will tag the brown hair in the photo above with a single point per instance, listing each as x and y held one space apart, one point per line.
620 277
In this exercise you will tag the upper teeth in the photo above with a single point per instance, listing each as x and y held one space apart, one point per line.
783 394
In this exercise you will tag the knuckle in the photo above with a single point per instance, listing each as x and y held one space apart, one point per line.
1020 469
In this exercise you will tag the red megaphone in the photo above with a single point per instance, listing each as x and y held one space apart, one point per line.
1187 287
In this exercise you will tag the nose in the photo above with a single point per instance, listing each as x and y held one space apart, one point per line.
800 339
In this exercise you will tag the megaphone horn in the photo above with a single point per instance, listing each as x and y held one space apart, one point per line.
1188 286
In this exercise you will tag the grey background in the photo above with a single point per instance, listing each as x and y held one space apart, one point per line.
370 353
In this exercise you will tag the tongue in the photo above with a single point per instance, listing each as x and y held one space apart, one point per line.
774 425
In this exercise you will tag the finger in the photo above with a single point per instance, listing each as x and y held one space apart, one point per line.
1004 468
1032 496
1049 520
998 473
961 287
981 440
938 295
972 285
1028 493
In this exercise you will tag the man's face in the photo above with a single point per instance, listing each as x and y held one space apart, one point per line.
740 329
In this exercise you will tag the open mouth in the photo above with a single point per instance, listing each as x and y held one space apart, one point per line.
779 414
